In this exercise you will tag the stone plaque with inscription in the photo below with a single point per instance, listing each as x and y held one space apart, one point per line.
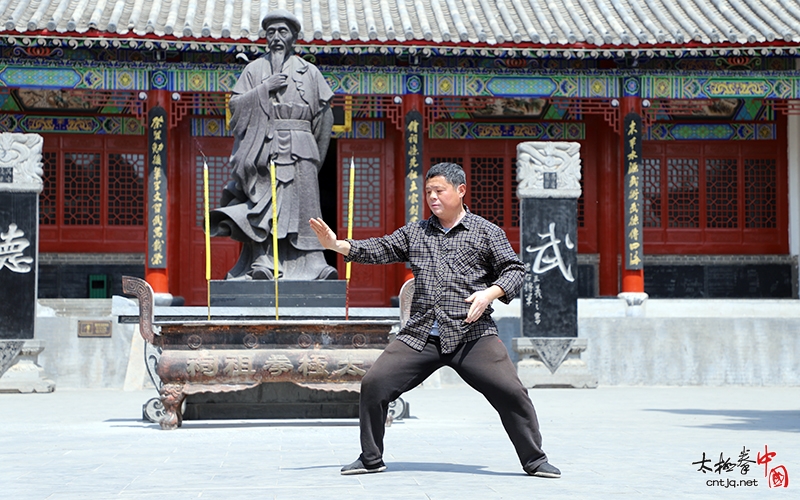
549 249
548 175
20 184
94 328
549 186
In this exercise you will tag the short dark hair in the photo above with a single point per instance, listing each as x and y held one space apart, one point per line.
452 172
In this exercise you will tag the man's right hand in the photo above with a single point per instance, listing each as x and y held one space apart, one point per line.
327 237
275 82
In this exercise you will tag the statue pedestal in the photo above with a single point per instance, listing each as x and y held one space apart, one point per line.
23 373
261 293
534 373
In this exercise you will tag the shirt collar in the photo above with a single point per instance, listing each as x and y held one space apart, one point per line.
465 221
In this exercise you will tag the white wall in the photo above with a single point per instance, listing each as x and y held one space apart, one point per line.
74 362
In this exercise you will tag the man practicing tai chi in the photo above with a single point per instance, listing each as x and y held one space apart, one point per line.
461 263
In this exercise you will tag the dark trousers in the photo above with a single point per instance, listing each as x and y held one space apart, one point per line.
483 364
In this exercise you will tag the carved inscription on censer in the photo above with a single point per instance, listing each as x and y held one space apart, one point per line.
312 365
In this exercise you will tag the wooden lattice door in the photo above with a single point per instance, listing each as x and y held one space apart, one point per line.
706 197
373 207
224 251
93 196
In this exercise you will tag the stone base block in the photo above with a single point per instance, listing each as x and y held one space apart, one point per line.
261 293
635 303
572 372
283 400
275 400
24 373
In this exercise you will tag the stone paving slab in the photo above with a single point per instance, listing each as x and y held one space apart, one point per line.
610 442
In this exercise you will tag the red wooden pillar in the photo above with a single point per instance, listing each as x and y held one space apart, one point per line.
632 279
158 278
608 211
412 103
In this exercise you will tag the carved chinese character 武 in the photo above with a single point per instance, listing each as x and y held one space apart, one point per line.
543 262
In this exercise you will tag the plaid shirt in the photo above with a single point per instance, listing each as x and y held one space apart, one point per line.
448 267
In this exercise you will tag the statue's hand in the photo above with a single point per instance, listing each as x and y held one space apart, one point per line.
275 82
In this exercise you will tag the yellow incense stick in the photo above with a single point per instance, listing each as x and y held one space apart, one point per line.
274 234
208 234
350 209
349 236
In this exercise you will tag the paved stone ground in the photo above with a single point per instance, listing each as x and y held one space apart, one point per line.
610 442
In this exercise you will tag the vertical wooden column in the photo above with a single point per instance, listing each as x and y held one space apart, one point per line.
414 172
632 170
608 219
413 143
157 269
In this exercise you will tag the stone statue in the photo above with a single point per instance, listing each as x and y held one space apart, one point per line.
280 113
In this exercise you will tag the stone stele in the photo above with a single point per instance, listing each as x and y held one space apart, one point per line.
548 175
20 185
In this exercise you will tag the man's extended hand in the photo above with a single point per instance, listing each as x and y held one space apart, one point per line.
327 238
480 300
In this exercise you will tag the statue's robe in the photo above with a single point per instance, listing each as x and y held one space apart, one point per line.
291 127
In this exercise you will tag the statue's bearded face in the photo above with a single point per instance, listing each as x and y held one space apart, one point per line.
280 37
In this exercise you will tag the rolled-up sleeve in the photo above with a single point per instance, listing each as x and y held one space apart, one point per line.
387 249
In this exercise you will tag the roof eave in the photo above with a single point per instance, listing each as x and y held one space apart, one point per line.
152 41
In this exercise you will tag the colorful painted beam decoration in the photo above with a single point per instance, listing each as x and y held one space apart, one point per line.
383 80
720 85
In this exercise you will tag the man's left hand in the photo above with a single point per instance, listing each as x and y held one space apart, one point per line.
480 300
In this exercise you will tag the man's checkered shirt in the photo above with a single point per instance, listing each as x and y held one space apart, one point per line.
448 267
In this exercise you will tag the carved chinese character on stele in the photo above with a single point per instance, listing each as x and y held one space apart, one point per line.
413 182
549 185
157 188
20 185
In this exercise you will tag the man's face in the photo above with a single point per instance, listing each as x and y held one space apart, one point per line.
280 37
443 198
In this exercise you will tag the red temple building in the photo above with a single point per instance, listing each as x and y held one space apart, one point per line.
715 84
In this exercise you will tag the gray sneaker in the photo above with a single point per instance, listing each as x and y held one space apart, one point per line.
358 467
543 470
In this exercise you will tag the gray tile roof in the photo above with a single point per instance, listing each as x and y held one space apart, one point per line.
579 24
